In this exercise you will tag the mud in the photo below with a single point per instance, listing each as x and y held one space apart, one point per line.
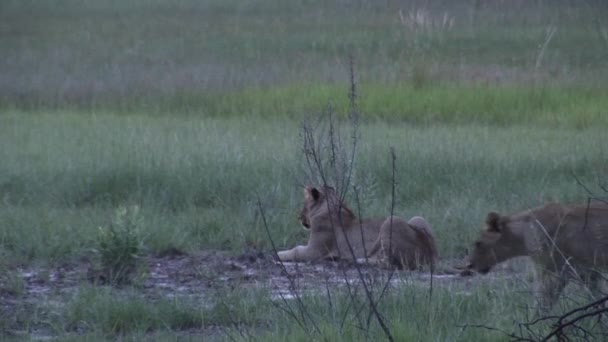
201 276
198 274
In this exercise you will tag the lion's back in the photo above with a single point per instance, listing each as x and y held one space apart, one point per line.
579 231
587 233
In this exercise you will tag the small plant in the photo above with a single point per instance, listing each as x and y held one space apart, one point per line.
119 246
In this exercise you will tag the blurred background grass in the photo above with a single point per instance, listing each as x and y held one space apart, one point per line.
415 60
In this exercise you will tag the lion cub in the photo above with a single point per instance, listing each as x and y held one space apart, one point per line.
565 242
336 233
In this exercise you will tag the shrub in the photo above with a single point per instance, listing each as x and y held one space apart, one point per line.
119 246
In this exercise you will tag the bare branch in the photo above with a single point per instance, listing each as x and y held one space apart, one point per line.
302 308
592 195
562 324
392 212
506 333
354 120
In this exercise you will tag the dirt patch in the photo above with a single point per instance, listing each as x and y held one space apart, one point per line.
199 275
200 278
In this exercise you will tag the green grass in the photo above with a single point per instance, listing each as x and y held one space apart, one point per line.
109 311
423 320
197 181
106 313
504 105
103 313
452 313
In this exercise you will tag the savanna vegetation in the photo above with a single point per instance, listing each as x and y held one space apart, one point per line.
139 129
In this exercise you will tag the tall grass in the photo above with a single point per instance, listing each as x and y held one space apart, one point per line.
454 312
423 319
196 181
104 313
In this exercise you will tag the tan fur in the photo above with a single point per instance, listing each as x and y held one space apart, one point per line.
392 241
565 242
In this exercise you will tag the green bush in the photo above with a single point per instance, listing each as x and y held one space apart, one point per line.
119 246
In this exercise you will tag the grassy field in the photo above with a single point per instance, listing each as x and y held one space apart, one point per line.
197 181
191 110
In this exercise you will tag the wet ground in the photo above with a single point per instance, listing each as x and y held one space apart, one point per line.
178 274
201 275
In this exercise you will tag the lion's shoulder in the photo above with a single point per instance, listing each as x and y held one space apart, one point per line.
557 217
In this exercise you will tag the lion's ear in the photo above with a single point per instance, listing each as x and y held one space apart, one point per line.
315 193
312 193
493 222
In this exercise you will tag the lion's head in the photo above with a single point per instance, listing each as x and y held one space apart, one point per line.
496 244
323 203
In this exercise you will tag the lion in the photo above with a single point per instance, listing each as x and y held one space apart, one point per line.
565 242
337 234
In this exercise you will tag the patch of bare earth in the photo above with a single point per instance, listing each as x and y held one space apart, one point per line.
199 277
197 274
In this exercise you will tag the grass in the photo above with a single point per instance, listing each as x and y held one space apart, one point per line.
100 313
148 53
115 312
189 110
104 313
423 320
504 105
194 178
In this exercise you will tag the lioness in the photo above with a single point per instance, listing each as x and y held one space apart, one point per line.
392 241
565 242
